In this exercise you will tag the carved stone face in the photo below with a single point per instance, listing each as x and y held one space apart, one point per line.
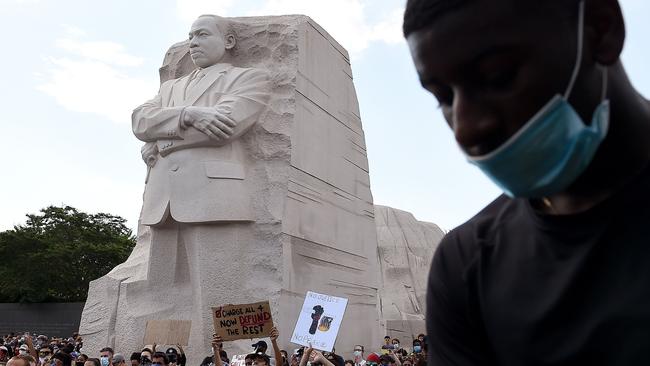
207 43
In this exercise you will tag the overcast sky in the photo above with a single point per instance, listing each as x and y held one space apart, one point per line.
73 70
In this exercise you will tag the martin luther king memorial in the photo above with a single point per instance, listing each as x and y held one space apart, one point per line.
257 188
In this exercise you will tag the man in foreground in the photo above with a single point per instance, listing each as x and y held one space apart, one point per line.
554 272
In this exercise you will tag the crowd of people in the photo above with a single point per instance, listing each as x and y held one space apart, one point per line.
32 350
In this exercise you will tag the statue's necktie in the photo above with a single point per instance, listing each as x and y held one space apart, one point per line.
195 80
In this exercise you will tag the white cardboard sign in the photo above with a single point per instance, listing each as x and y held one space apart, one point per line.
319 321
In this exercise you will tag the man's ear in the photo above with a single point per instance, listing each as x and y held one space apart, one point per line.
230 41
605 27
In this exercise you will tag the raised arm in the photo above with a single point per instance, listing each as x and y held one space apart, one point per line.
274 342
216 349
305 356
319 358
30 346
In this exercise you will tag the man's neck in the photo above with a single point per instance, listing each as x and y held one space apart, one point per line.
621 157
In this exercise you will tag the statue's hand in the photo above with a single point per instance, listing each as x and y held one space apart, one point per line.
149 153
215 124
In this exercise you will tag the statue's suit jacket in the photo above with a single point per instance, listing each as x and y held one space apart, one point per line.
196 179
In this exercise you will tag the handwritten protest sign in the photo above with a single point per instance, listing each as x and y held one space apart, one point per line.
319 321
238 360
167 332
245 321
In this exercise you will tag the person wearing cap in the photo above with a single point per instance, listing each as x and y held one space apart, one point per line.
119 360
261 347
176 358
23 350
372 359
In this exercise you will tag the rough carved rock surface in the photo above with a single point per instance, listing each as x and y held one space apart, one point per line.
405 249
314 225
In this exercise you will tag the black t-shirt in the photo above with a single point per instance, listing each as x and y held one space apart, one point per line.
514 286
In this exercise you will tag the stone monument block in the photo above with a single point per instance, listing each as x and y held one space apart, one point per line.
405 247
305 220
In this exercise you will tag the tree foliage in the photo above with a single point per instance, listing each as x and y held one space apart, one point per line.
55 254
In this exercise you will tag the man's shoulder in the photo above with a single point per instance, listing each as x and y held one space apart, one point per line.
464 242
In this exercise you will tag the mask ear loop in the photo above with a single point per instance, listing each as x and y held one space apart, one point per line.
576 68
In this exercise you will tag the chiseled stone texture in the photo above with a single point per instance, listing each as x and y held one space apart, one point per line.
314 225
405 248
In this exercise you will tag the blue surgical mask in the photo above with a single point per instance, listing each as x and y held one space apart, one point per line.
104 361
553 148
417 349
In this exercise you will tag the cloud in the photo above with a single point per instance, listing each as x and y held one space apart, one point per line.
105 51
188 10
390 29
345 20
93 77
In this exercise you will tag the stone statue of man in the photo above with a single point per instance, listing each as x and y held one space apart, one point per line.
197 198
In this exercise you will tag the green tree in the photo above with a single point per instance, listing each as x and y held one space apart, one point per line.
55 254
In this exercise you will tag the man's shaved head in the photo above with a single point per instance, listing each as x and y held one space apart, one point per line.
420 14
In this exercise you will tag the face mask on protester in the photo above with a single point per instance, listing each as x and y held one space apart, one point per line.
357 353
417 349
553 148
22 352
104 361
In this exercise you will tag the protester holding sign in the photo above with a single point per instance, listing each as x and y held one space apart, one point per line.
217 344
243 321
258 358
276 349
327 312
